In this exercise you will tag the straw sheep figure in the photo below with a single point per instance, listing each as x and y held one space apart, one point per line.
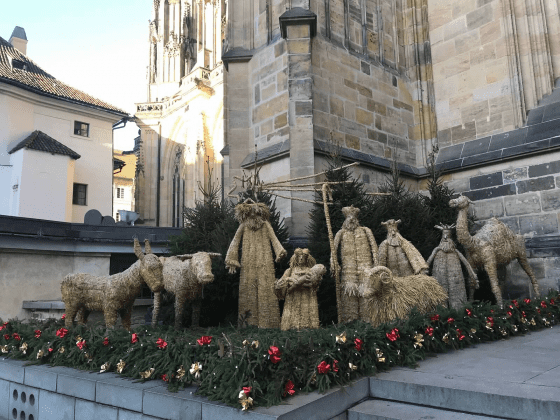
358 251
447 269
391 298
493 245
398 254
111 294
185 277
257 301
298 286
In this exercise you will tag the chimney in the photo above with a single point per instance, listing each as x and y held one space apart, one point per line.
19 39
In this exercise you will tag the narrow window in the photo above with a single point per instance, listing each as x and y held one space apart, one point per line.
117 217
81 129
80 195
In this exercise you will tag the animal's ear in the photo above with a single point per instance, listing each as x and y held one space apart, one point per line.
147 247
453 226
214 255
438 227
184 257
384 223
397 222
138 250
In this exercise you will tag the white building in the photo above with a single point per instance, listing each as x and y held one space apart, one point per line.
56 143
124 183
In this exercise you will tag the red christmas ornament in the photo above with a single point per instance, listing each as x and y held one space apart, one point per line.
165 378
106 341
289 388
50 349
543 304
161 343
393 335
434 318
509 313
61 332
490 320
16 336
552 301
515 303
6 336
450 320
460 334
205 339
247 390
38 333
358 343
527 301
81 344
430 331
335 365
63 316
274 354
323 367
134 338
523 314
468 311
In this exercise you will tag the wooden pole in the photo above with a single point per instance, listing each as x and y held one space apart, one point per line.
334 258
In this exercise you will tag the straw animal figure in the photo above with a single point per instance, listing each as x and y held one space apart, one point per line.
494 244
398 254
257 300
185 277
111 294
298 286
358 251
447 269
391 298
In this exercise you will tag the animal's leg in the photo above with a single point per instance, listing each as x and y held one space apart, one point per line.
157 303
196 312
471 281
110 316
492 270
80 315
86 313
525 264
126 316
71 311
180 300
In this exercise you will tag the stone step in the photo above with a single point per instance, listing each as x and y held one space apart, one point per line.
390 410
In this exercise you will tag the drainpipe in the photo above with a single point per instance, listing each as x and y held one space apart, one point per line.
158 175
116 126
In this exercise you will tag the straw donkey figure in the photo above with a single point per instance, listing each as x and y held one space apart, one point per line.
398 254
185 277
447 269
298 286
83 293
494 244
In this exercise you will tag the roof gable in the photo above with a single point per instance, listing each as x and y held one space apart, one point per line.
44 143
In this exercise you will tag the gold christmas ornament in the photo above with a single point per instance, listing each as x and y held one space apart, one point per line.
61 350
533 323
83 293
257 300
78 339
298 286
358 251
180 372
352 366
255 344
391 298
447 269
105 367
4 349
493 245
341 339
419 339
445 338
185 277
23 348
398 254
195 369
121 365
245 401
313 379
515 328
473 331
40 354
246 343
147 373
379 356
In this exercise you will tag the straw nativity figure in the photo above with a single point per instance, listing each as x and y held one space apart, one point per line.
398 254
298 286
447 269
358 251
257 300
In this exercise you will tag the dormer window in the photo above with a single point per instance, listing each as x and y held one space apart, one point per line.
19 64
81 129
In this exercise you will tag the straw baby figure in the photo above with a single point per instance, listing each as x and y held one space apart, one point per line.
298 286
398 254
257 239
447 269
358 251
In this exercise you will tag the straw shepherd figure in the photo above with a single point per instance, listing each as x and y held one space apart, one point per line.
494 244
298 286
257 299
391 298
398 254
83 293
358 251
447 269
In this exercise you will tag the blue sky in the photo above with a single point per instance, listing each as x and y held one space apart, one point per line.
100 47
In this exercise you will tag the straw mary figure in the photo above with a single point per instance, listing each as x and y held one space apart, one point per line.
255 235
398 254
298 286
391 298
447 269
358 251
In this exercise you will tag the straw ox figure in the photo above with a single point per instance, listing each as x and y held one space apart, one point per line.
185 277
258 303
391 298
358 251
494 244
111 294
298 286
398 254
447 269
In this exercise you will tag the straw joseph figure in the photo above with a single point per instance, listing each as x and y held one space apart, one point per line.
358 251
257 300
298 286
447 270
398 254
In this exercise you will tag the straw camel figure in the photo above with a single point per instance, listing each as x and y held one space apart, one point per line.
257 300
447 269
298 286
494 244
398 254
358 251
391 298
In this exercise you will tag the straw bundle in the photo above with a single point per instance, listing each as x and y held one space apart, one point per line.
298 286
256 284
392 298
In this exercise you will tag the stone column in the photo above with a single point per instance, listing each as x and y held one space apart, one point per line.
298 26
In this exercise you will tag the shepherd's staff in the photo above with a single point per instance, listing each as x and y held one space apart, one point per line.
327 191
